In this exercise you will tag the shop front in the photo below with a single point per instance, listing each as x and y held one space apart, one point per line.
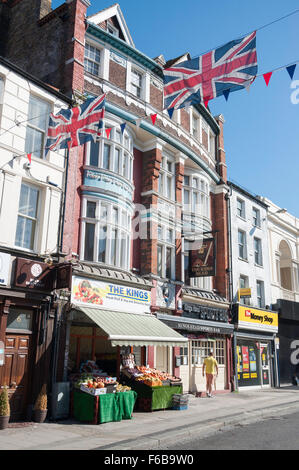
109 331
27 317
206 328
255 344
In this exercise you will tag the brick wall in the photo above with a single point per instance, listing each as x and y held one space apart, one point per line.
117 74
185 120
219 224
156 98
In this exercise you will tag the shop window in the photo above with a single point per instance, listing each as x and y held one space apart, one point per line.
184 356
201 349
106 230
27 217
37 124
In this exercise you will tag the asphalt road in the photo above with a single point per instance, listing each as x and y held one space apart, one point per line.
281 433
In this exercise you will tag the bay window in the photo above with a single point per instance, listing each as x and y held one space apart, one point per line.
166 185
106 232
196 196
113 154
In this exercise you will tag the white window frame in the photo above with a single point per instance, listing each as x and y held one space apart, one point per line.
244 245
166 243
30 125
125 152
115 31
202 192
241 213
36 219
123 232
141 73
260 299
244 300
99 64
257 218
202 348
258 253
166 175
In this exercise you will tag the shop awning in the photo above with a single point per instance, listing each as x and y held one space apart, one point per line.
133 329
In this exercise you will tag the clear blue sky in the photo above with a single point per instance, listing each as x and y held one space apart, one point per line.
262 126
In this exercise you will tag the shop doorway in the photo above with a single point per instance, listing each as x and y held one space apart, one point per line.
162 358
265 363
253 364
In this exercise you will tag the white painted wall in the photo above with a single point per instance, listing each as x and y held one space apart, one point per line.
14 106
249 268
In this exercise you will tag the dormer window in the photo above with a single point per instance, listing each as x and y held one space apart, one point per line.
112 30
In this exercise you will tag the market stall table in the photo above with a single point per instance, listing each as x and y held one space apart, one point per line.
104 408
154 398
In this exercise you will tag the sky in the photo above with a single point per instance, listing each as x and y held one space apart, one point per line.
261 130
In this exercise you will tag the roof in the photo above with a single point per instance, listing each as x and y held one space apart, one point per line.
110 12
248 194
202 294
96 271
177 60
132 329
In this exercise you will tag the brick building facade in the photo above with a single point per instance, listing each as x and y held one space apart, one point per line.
166 180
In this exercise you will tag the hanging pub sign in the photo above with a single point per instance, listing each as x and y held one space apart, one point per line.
202 261
34 275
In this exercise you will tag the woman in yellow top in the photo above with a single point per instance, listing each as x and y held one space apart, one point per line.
211 366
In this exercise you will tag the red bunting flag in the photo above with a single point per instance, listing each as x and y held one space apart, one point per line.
29 157
153 117
206 103
108 132
267 77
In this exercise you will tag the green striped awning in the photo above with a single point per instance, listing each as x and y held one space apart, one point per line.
132 329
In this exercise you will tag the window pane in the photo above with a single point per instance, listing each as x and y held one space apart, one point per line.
115 215
102 244
25 233
104 212
94 154
113 246
38 113
34 142
106 157
116 160
168 262
91 209
168 187
125 166
89 242
123 252
159 260
186 180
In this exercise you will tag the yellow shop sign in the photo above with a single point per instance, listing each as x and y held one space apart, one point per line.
256 319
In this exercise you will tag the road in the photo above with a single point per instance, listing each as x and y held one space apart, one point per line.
281 433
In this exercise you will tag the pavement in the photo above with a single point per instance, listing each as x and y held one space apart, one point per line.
158 429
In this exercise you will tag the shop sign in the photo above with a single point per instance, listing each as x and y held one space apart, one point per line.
106 295
202 312
202 262
34 275
4 268
255 319
245 292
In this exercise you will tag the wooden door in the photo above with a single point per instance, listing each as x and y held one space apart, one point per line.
16 372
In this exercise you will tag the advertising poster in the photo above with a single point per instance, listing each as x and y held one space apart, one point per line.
89 292
245 355
252 358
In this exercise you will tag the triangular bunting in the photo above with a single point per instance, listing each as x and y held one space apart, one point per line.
122 126
291 70
108 132
153 118
267 77
226 94
206 102
29 157
170 112
69 144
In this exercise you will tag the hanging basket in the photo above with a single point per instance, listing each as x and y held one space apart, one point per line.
4 420
39 416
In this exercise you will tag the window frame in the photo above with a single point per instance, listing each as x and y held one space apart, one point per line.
34 128
99 63
242 213
165 175
258 218
137 71
258 254
245 258
164 245
260 303
27 217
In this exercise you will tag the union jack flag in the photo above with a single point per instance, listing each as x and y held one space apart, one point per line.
76 126
230 67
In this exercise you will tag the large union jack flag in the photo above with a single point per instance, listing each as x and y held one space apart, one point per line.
73 127
228 68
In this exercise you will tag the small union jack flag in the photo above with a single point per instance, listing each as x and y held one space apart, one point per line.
229 68
76 126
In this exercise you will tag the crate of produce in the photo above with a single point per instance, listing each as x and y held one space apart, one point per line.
93 391
111 388
178 399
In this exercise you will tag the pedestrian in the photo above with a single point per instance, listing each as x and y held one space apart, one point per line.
210 366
